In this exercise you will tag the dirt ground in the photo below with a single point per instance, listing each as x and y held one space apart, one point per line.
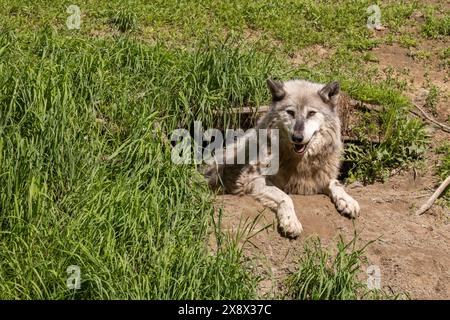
412 252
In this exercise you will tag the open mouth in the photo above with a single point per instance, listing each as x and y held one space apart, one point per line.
300 148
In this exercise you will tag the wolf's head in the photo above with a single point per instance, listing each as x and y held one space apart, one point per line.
307 114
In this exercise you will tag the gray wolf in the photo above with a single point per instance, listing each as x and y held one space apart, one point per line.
310 147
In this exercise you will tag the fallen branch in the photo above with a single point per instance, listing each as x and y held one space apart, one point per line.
442 126
364 105
244 110
433 198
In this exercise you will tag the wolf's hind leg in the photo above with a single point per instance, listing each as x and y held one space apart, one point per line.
279 202
344 203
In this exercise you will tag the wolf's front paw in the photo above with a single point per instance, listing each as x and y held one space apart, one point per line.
346 205
289 226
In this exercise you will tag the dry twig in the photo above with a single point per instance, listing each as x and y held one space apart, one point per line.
442 126
433 198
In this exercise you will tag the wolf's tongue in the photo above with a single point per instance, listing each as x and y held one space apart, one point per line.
299 148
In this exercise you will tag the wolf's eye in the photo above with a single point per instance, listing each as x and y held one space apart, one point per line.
311 113
291 113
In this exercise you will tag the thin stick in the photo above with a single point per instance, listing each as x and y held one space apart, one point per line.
441 125
249 110
433 198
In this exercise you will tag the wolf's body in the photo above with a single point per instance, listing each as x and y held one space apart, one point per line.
309 153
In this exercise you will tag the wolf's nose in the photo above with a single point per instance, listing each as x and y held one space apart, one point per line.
297 138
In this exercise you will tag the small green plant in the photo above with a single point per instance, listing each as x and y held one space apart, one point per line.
445 53
124 20
323 275
370 57
420 55
432 98
361 44
445 56
407 41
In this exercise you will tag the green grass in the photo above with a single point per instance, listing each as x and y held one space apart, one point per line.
124 20
325 274
296 23
85 175
86 181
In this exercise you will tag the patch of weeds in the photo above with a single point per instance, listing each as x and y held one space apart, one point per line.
407 41
435 27
361 44
370 57
125 20
323 275
397 15
445 53
388 139
432 99
394 81
420 54
445 56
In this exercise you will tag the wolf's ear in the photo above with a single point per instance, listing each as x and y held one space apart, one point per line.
330 93
276 88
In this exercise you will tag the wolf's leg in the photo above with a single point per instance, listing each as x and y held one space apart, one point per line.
279 202
344 203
